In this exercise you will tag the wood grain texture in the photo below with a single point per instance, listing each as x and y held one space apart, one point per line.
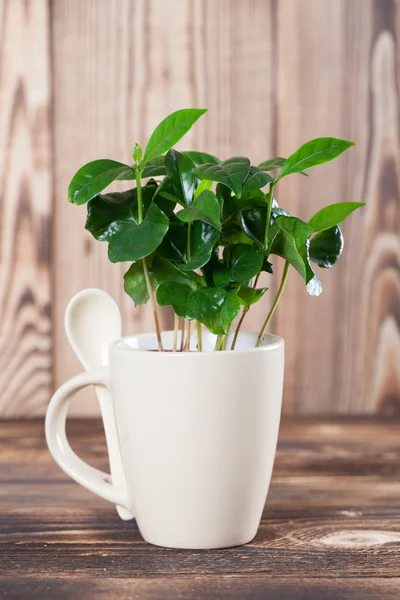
337 59
273 74
25 202
330 528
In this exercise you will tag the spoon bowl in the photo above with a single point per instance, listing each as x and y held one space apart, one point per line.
93 323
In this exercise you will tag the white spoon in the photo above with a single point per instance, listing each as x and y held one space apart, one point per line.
92 323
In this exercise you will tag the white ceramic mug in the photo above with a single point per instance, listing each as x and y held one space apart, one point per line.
197 435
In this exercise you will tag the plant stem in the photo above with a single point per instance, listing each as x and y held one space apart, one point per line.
235 337
182 334
244 313
189 250
199 337
269 209
176 327
144 263
275 303
225 340
219 341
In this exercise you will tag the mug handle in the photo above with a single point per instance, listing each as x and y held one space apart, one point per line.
94 480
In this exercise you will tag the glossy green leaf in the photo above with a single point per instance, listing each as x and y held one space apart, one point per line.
231 172
164 271
326 247
205 302
170 131
201 158
220 321
243 262
155 167
94 177
107 214
253 221
204 208
313 283
203 186
256 179
332 215
249 295
288 237
175 294
272 164
174 244
275 163
180 170
203 240
135 283
135 241
315 152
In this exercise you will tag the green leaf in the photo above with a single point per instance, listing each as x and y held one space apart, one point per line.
134 242
170 131
272 164
205 302
202 187
204 208
174 245
219 322
155 167
326 247
313 284
107 214
201 158
175 294
203 240
256 179
332 215
315 152
135 283
165 270
180 170
275 163
245 262
249 295
231 172
288 237
94 177
137 153
253 221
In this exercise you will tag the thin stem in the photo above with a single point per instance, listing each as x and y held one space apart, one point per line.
275 303
153 305
244 313
269 209
235 337
199 337
145 269
225 340
189 250
189 335
176 327
186 346
219 341
182 334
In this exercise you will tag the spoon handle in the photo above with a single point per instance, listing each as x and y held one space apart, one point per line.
110 429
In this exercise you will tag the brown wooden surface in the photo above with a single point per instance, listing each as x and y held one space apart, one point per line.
330 529
81 79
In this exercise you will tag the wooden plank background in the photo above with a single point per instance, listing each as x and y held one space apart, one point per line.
83 79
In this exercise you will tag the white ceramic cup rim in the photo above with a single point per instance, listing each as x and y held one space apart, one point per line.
274 342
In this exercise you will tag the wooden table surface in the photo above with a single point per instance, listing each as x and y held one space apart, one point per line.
330 529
